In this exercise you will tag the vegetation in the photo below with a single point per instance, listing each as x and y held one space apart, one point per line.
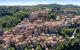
11 48
11 16
67 31
70 44
52 15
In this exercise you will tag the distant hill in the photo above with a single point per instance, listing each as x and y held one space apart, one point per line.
45 5
57 6
71 6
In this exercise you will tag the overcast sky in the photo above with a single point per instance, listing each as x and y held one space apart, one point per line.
34 2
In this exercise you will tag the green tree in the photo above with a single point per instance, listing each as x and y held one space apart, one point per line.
25 48
52 15
11 48
67 31
21 14
38 47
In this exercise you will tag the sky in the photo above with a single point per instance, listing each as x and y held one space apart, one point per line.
35 2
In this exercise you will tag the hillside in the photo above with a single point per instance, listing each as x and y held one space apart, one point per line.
57 6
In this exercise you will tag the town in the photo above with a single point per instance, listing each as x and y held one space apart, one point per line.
37 29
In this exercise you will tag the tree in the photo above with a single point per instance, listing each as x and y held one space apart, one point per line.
25 48
11 48
21 14
66 31
52 15
60 46
38 47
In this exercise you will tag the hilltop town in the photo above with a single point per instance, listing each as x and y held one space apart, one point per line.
40 27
